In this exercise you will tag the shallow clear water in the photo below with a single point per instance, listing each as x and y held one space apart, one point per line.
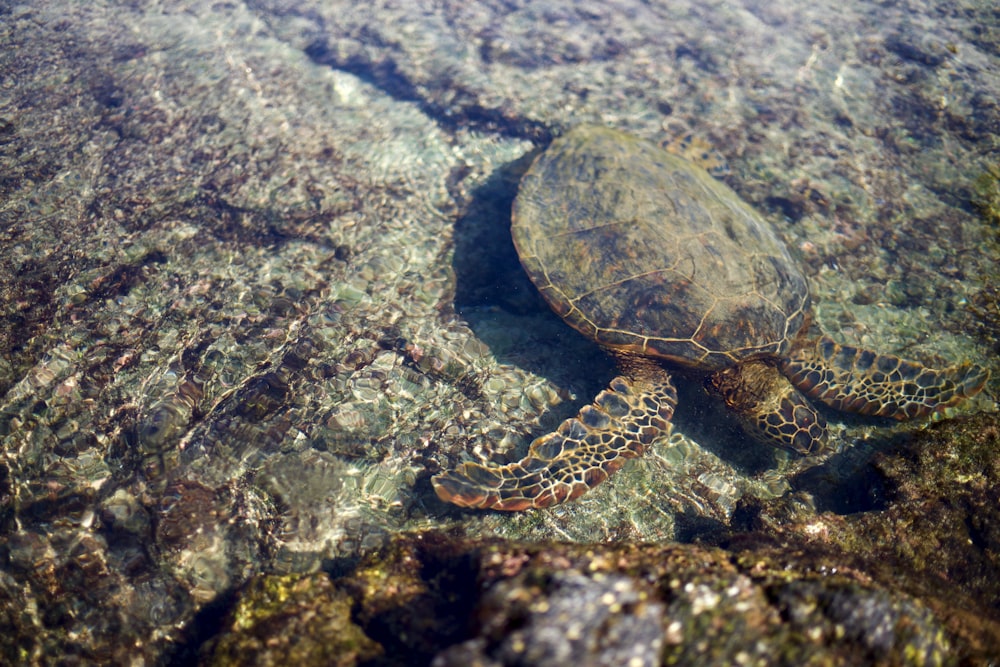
257 282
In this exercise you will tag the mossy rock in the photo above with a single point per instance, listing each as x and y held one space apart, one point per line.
292 620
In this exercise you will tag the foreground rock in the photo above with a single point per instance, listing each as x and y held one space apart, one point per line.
915 583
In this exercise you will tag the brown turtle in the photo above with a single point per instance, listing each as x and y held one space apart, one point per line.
664 266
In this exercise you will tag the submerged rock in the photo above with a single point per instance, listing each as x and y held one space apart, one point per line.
936 536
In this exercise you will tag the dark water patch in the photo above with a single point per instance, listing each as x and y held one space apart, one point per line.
462 110
847 483
488 273
910 44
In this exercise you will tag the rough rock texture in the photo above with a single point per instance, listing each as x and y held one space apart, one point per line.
291 620
936 533
257 286
913 583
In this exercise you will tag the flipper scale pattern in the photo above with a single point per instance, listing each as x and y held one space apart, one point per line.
863 382
584 451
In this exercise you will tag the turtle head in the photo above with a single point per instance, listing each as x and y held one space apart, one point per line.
769 408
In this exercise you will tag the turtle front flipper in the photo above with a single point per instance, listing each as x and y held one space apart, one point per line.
769 408
583 452
863 382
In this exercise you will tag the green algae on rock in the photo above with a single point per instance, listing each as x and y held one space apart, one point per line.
452 602
935 535
291 620
987 194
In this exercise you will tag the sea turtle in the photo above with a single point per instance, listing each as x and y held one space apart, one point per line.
666 267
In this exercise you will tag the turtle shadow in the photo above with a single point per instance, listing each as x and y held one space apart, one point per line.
488 274
497 300
707 421
848 482
842 481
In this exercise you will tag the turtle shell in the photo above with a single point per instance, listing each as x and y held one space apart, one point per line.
645 253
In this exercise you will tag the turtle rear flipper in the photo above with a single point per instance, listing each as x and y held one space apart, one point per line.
583 452
863 382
